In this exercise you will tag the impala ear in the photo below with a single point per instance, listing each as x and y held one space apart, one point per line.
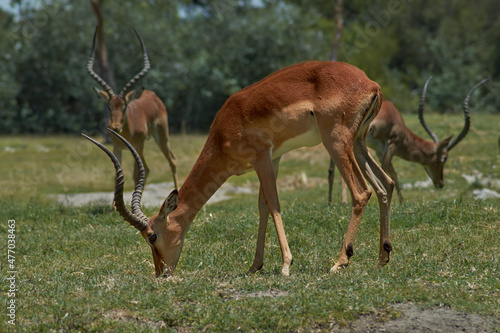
170 204
134 94
444 143
101 93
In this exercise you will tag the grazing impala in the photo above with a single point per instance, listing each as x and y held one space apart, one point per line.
302 105
137 114
389 137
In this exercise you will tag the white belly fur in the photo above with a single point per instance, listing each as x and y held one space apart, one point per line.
308 139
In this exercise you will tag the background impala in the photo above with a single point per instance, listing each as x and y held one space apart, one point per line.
390 137
301 105
136 114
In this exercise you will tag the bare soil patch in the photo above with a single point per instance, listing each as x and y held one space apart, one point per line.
399 318
153 196
231 294
124 316
407 317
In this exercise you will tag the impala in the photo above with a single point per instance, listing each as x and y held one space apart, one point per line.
302 105
136 114
389 137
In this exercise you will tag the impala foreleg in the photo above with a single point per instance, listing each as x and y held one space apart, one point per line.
383 187
117 152
267 178
386 161
331 176
263 218
258 261
139 146
394 176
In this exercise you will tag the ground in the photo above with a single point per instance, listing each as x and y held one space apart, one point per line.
409 318
405 317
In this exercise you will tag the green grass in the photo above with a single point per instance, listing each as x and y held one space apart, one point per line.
85 269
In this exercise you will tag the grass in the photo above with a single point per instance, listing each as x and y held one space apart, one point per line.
85 269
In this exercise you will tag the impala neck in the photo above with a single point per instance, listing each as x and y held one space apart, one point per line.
417 149
207 176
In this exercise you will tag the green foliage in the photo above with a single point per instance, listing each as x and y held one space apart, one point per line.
204 51
8 85
200 56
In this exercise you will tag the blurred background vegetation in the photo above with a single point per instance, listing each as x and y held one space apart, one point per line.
202 51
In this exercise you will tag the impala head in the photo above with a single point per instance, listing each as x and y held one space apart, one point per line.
435 166
117 104
161 235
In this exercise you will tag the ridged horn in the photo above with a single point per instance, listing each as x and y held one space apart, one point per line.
462 134
136 218
421 113
143 72
93 74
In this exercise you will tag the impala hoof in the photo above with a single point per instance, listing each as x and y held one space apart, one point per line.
253 269
285 271
164 276
337 268
381 263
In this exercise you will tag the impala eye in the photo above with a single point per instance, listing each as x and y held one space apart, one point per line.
152 238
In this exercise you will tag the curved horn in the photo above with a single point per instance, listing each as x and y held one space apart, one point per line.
421 113
90 68
462 134
143 72
141 172
136 218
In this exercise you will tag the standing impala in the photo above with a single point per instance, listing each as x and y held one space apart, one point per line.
390 137
137 114
301 105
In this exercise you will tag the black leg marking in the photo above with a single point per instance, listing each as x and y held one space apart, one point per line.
388 248
349 250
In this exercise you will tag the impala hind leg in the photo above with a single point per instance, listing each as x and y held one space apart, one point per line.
264 168
343 156
263 218
383 186
162 142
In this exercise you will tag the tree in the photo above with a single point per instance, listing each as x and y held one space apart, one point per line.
106 71
202 51
8 85
338 32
